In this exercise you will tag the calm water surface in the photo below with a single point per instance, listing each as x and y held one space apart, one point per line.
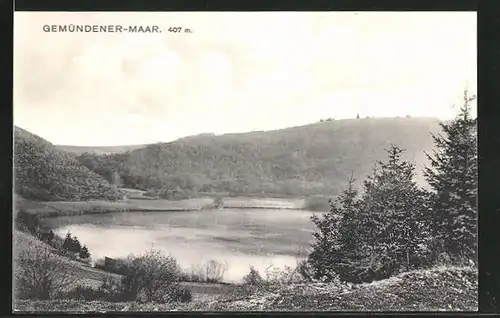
238 237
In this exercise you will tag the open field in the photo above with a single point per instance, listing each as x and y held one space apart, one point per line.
65 208
262 203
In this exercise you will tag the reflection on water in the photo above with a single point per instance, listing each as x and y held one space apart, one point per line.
238 237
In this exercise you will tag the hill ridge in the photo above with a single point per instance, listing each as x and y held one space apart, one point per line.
314 159
44 173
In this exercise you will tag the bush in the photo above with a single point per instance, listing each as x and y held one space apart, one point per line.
111 289
209 272
152 277
276 276
305 271
181 294
253 278
39 273
27 222
285 276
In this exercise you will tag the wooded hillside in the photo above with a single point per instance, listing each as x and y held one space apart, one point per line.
43 173
297 161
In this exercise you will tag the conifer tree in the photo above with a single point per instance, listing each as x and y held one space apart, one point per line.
75 245
395 221
452 176
84 252
68 242
335 245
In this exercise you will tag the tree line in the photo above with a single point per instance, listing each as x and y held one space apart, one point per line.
394 225
30 223
72 244
293 162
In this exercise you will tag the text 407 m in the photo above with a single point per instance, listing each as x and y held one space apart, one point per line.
179 29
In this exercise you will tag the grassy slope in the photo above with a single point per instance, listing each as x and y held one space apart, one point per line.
83 274
88 276
306 160
43 173
452 288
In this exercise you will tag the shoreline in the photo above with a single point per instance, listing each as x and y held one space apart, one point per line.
69 208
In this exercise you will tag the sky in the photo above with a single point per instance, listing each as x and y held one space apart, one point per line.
236 72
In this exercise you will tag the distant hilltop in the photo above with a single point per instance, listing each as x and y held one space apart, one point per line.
314 159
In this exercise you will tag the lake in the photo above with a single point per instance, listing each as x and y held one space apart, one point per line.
239 237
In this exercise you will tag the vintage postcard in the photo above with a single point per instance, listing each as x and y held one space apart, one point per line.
245 161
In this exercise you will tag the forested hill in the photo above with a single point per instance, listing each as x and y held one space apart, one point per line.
44 173
297 161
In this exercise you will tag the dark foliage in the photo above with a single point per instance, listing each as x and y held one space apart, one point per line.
152 277
84 252
43 173
71 244
336 238
26 221
396 218
30 223
253 277
383 232
452 175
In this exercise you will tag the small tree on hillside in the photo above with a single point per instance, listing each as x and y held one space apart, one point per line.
453 177
84 252
68 242
253 278
76 246
71 244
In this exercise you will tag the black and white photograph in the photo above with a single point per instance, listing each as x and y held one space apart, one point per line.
245 161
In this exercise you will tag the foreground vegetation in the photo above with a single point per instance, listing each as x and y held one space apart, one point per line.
439 289
151 282
395 245
396 226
